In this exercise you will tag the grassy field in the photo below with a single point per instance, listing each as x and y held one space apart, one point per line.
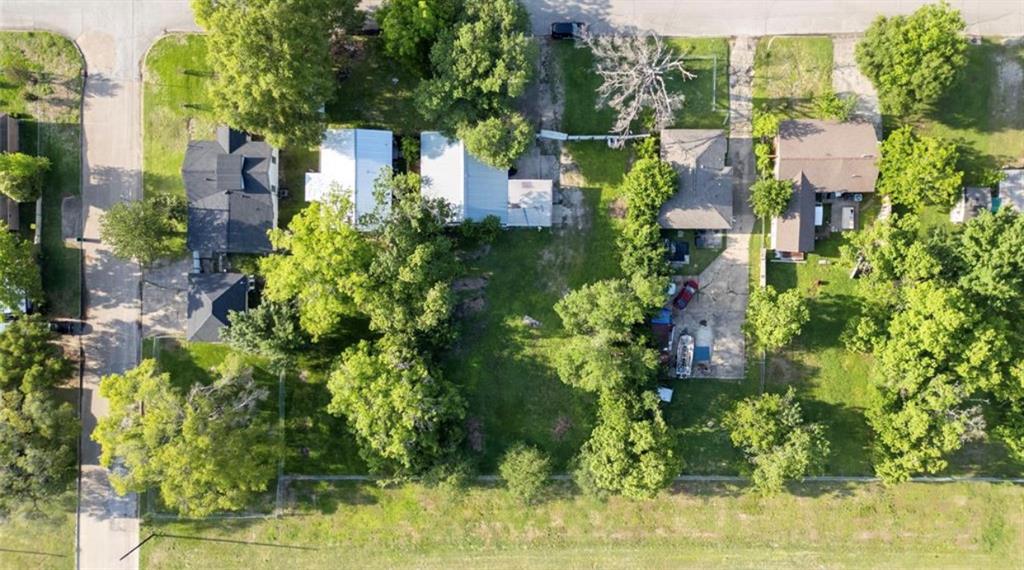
790 71
41 543
45 95
984 111
693 525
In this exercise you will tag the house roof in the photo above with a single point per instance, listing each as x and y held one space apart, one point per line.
351 160
9 213
210 297
232 195
1011 190
833 157
973 201
8 133
474 189
704 198
794 229
529 203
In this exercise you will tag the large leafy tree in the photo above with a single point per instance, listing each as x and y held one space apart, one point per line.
410 27
648 185
499 140
270 330
21 175
209 450
771 431
322 259
769 197
913 59
37 431
773 318
917 169
273 64
19 273
630 450
145 230
404 414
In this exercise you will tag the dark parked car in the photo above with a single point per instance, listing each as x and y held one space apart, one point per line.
66 327
566 30
686 294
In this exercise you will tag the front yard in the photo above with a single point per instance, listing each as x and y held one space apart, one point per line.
789 72
43 90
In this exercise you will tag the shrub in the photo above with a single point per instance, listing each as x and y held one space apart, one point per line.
765 164
766 124
525 471
832 106
769 197
21 175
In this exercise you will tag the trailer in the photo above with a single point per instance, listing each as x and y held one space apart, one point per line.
684 356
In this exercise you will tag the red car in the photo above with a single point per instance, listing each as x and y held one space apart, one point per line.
685 294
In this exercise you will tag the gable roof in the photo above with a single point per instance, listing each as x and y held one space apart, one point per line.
794 229
351 160
704 198
474 189
833 157
210 297
232 196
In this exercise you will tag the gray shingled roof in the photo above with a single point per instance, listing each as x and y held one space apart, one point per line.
210 297
794 229
232 204
833 157
704 199
8 133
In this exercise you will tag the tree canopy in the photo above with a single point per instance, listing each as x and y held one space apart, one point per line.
270 330
209 450
498 140
145 230
916 169
409 28
769 197
913 59
647 186
272 62
21 175
773 318
19 273
525 471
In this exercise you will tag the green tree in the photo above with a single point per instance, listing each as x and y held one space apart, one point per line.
270 330
771 431
525 471
913 59
145 231
321 260
498 140
769 197
409 28
647 186
37 431
774 319
916 169
834 107
405 416
766 125
19 273
605 310
630 450
209 450
21 175
273 64
479 65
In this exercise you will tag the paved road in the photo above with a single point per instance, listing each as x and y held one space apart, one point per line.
113 36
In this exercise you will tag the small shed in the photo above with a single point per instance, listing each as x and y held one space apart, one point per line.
972 202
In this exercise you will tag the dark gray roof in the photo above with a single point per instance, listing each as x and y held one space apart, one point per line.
230 138
794 229
232 201
9 213
8 133
210 297
704 199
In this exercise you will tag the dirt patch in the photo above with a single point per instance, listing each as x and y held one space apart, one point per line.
1009 91
617 209
470 283
561 428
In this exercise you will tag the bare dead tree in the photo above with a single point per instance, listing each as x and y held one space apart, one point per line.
633 69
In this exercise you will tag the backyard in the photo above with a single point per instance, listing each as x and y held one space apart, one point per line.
43 89
712 525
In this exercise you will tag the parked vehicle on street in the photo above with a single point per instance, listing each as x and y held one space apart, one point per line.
64 326
685 294
567 30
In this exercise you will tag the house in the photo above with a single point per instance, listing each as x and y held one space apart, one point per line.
211 296
828 162
232 188
9 143
704 198
1011 190
973 201
351 160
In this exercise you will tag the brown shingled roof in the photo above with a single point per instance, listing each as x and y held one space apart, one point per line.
833 157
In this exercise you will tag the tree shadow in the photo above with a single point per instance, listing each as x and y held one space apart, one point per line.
830 313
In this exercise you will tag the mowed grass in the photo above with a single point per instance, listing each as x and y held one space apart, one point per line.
789 72
176 109
49 110
46 542
693 525
983 112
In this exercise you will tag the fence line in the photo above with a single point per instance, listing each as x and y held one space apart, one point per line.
702 479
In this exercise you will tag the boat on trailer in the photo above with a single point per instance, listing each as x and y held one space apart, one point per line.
684 356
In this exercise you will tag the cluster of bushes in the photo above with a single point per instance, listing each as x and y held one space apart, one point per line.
477 57
21 175
768 196
649 184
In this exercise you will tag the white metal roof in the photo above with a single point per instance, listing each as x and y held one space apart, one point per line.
529 203
1011 190
474 189
351 159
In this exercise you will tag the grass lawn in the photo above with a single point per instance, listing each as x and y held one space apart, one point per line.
694 525
47 542
48 102
981 112
790 71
